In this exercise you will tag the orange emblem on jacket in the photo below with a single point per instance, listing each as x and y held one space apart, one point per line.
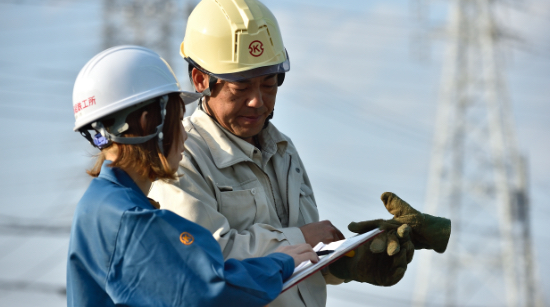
186 238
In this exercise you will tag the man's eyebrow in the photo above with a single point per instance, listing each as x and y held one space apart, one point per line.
247 81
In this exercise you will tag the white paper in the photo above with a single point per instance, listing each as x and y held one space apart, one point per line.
340 247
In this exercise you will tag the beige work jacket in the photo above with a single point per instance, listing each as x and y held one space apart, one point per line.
220 189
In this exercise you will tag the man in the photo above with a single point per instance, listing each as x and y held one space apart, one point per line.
244 179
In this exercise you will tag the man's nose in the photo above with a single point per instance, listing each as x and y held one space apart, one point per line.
256 100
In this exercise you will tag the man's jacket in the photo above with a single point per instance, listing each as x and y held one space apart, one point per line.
124 252
225 189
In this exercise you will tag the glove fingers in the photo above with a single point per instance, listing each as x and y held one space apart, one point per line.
379 242
396 205
404 233
395 269
409 250
362 227
400 266
393 243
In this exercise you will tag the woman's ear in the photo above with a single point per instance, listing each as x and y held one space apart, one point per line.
200 80
143 121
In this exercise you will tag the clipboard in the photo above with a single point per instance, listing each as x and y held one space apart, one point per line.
342 247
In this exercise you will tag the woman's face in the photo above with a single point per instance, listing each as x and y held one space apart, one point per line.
176 151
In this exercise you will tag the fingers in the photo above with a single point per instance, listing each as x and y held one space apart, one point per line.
310 255
393 243
409 250
396 205
322 231
365 226
403 233
299 252
386 241
379 242
399 266
338 234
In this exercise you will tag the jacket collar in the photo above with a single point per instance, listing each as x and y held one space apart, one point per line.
227 149
118 176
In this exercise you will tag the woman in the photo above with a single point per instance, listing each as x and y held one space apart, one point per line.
124 251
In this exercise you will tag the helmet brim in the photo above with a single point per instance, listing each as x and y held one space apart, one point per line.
189 97
247 74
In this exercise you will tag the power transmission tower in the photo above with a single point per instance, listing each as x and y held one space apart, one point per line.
477 176
147 23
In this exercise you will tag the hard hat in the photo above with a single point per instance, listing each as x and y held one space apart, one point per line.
117 82
234 40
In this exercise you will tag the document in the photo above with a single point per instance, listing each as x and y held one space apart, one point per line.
340 248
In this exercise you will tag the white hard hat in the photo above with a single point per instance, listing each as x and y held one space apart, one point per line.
234 40
117 81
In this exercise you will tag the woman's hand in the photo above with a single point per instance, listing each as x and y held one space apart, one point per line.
300 253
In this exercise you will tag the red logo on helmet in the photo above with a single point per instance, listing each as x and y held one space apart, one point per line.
79 106
256 48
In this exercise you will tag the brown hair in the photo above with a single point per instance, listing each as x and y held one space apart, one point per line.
146 157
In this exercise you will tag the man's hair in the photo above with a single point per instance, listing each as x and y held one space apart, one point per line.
146 158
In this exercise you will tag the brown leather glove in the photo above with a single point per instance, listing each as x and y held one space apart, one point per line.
428 232
378 267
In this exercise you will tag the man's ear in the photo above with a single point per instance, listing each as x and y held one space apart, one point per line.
200 80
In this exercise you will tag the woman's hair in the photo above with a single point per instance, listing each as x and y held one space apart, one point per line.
146 158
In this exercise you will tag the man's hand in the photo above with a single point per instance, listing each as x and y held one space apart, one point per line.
322 231
388 240
377 268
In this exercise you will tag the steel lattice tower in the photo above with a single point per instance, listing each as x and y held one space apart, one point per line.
147 23
477 176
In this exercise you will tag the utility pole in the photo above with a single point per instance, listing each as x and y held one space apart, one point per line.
477 176
147 23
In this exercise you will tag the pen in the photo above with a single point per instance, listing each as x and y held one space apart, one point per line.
325 252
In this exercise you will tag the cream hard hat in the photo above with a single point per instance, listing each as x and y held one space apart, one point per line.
234 40
115 83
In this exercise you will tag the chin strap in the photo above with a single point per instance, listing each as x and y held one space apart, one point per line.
104 138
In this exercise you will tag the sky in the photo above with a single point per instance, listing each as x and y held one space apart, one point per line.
359 104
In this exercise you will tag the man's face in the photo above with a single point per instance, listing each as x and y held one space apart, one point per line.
243 107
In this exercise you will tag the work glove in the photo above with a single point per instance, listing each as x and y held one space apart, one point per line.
428 232
408 230
372 262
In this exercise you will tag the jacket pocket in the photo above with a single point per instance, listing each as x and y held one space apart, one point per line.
308 207
239 208
305 190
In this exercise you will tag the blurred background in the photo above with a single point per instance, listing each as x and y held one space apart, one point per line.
444 103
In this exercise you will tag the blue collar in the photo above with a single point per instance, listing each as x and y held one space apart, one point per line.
118 176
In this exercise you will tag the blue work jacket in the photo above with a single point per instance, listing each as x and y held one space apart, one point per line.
124 252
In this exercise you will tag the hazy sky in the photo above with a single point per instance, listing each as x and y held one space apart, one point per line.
359 104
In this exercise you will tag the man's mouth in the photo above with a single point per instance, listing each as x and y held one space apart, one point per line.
251 118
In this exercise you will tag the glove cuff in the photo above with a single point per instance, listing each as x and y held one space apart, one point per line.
439 229
340 269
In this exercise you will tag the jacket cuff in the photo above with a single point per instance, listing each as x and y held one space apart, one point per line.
294 235
287 263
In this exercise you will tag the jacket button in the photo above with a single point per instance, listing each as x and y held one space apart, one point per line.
298 169
253 191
